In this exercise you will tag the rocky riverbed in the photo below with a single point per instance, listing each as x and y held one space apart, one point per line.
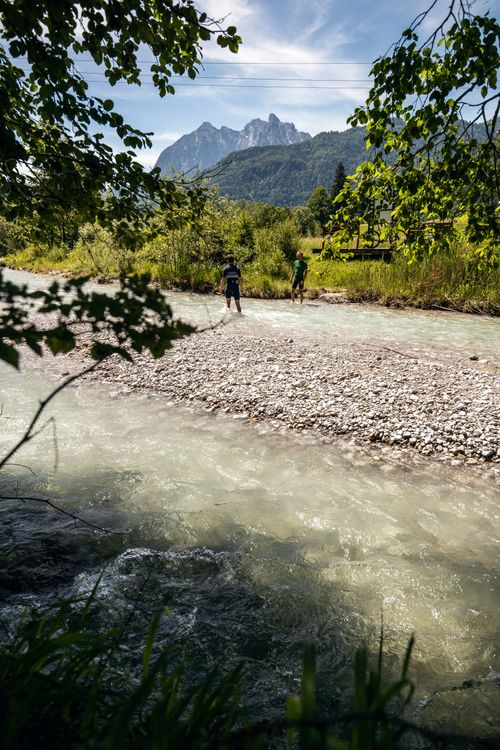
435 405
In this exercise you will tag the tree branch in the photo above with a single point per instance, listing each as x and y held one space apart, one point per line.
30 431
51 504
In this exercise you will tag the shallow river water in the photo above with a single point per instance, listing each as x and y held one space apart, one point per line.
415 330
256 541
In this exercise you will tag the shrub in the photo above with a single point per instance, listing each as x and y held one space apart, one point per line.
269 258
12 237
98 252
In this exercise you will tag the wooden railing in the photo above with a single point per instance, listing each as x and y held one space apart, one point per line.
378 250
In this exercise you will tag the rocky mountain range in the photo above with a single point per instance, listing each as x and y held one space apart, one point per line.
207 145
270 162
287 175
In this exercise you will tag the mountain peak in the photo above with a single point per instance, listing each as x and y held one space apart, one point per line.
206 145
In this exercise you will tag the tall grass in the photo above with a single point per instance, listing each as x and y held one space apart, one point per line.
308 244
263 286
451 281
63 685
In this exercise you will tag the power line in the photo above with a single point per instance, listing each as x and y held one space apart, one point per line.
103 78
294 64
255 62
249 86
246 78
253 78
240 62
269 82
309 80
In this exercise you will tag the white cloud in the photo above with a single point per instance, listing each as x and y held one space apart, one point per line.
314 33
317 121
255 22
307 35
123 92
317 14
167 135
148 158
235 12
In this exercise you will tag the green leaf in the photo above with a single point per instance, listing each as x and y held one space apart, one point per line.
61 134
148 648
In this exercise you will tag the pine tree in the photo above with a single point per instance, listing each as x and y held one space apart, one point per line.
339 181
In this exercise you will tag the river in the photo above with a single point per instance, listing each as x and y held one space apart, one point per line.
256 540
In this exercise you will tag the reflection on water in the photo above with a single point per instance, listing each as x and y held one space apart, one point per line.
256 541
415 330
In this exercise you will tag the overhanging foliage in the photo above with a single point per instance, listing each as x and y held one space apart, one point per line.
56 169
54 158
429 97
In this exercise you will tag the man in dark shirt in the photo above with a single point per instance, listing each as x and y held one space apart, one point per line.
298 276
231 278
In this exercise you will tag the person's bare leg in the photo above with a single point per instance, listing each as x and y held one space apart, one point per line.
301 292
238 306
228 303
293 295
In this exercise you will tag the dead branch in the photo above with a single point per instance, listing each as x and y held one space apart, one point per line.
51 504
30 432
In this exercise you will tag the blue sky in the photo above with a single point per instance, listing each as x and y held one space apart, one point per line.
324 46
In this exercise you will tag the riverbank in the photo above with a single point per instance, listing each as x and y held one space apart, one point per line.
438 282
451 282
434 406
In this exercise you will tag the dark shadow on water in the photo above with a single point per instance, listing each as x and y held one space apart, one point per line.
230 593
243 597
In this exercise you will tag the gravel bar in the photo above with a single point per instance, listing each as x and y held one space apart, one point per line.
439 407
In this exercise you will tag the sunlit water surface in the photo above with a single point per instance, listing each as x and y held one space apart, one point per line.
414 330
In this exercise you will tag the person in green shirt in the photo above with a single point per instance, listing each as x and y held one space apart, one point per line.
298 276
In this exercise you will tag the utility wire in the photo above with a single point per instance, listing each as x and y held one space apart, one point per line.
270 62
281 62
249 86
293 64
253 78
102 79
85 73
248 78
239 62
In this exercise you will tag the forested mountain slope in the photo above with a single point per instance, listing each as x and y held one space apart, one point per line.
286 175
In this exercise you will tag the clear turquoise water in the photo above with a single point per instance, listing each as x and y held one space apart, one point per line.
254 541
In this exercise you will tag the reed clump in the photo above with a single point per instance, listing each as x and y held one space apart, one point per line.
63 684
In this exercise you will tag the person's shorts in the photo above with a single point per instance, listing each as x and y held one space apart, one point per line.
232 290
298 283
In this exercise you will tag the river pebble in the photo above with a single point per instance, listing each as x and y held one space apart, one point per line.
445 410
